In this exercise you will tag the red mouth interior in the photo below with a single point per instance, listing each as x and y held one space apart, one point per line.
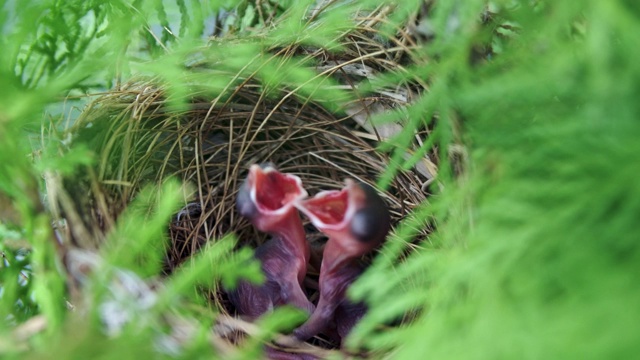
275 190
330 208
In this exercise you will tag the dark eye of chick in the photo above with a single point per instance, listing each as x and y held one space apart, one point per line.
371 223
364 225
244 205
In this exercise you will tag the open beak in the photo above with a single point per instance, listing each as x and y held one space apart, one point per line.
267 197
355 216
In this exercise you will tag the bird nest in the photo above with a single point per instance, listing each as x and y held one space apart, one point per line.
139 139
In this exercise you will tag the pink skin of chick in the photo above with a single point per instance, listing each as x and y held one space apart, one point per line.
266 199
356 220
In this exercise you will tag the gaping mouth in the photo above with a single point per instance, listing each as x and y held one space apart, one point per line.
328 207
273 191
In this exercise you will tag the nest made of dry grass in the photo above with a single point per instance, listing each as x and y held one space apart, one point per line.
211 147
139 140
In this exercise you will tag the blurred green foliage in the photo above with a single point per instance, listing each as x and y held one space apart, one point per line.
535 253
536 250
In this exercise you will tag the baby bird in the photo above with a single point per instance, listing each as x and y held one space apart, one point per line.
266 198
356 220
